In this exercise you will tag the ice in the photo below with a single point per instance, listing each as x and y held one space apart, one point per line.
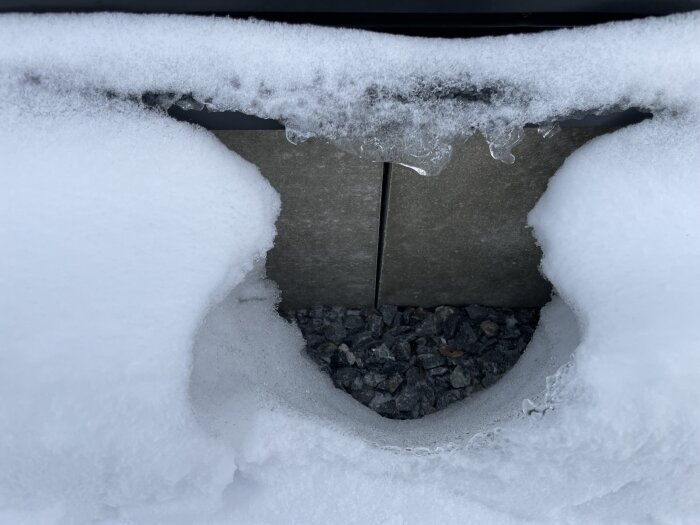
548 129
146 376
296 137
187 103
502 140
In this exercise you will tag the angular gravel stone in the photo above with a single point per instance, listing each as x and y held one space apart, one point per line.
402 350
477 312
372 378
430 360
376 324
428 326
353 323
388 312
394 366
458 379
452 324
391 384
380 354
360 391
345 356
335 332
407 399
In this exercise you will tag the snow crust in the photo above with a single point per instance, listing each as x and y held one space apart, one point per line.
146 377
385 97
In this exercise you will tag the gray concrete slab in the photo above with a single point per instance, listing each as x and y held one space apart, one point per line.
462 237
327 233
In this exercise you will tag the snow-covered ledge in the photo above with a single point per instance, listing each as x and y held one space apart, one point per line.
119 259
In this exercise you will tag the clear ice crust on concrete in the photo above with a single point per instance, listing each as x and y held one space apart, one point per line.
146 376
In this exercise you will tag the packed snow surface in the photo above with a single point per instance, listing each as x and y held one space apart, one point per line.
146 376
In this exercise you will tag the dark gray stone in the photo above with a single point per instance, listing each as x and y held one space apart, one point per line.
388 312
353 323
380 354
413 376
395 367
360 391
361 339
476 312
335 332
430 360
466 332
375 323
427 396
408 398
391 384
452 324
372 378
427 326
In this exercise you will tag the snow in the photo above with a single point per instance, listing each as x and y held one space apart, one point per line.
146 376
386 97
111 258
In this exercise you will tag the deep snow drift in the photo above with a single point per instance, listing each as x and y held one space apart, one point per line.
132 383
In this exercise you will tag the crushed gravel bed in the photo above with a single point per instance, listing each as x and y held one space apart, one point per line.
405 362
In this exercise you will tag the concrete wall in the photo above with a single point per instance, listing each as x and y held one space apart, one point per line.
462 237
326 246
457 238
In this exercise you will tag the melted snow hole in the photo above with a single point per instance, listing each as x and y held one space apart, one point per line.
247 359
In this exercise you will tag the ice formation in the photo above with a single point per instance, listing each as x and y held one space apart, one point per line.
131 378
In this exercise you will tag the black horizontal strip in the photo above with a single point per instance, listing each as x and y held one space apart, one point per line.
447 18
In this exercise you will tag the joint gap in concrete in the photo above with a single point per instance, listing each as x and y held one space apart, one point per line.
383 213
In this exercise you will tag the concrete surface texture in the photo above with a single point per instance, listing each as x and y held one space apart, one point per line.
458 238
462 237
326 246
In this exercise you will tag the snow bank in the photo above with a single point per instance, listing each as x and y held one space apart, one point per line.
386 97
119 230
135 393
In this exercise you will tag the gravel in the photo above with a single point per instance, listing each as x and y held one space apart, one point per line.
405 362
